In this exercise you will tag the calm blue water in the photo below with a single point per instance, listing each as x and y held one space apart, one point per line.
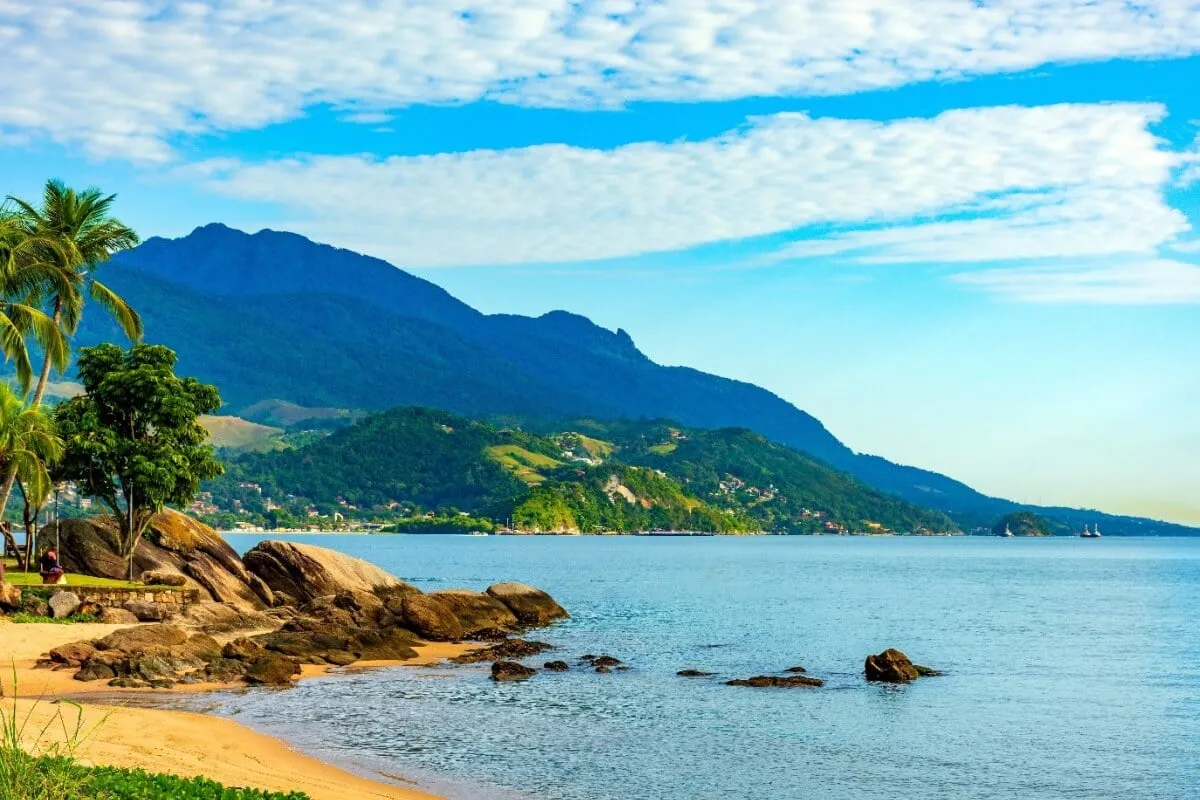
1073 671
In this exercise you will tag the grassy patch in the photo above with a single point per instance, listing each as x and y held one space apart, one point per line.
34 579
522 463
664 449
235 433
595 447
22 618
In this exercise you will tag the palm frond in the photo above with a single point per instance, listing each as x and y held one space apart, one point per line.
129 320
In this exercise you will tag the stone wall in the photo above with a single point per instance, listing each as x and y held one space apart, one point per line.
116 598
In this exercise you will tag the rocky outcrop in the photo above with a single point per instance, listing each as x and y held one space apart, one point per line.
175 547
556 666
428 617
511 671
529 605
777 682
303 572
163 577
505 651
477 611
692 673
893 666
142 636
118 616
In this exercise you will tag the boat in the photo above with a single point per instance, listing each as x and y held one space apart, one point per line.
1091 534
1008 534
478 533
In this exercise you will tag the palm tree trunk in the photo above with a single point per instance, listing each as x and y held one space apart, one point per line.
44 378
6 491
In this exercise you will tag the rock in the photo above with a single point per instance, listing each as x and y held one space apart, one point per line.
242 649
272 669
692 673
927 672
511 671
340 659
95 671
63 604
777 682
163 577
890 666
352 608
487 635
602 661
151 612
430 618
505 651
604 669
305 572
797 670
477 611
174 544
224 670
131 640
162 663
74 654
202 646
10 596
117 616
162 683
89 609
530 606
223 618
128 683
556 666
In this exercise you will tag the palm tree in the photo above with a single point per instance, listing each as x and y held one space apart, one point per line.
24 273
28 446
83 234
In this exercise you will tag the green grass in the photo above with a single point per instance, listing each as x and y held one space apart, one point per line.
34 579
21 618
522 463
664 449
595 447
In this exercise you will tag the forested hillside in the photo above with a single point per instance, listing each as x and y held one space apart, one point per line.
589 477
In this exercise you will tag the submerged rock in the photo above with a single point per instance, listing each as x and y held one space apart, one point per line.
893 666
777 681
693 673
511 671
556 666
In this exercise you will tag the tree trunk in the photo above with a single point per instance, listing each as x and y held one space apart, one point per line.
44 378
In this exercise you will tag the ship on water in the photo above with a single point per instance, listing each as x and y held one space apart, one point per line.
1094 533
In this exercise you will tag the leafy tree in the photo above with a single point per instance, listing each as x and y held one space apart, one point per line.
28 448
133 439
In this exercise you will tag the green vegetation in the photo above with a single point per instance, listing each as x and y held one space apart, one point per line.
459 524
399 466
133 440
25 618
239 435
1026 523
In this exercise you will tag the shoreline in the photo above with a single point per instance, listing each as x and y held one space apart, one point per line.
183 743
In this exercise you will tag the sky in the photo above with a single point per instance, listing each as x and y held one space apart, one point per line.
962 233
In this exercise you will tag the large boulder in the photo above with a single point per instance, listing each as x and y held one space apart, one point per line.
223 618
477 611
893 666
118 616
530 606
511 671
430 618
64 604
272 669
10 596
174 545
777 681
304 572
131 640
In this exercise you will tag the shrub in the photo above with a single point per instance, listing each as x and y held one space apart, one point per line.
27 618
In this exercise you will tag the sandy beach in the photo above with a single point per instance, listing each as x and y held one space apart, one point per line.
181 743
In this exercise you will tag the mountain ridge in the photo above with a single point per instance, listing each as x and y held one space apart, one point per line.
317 325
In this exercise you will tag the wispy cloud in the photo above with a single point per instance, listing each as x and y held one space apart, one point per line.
1158 281
179 68
1066 180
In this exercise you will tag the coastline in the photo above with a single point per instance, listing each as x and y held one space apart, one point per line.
183 743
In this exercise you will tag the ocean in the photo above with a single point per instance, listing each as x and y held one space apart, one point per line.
1072 670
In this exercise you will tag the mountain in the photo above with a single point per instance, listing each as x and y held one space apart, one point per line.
275 317
644 475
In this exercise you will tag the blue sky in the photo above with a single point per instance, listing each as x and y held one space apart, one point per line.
962 234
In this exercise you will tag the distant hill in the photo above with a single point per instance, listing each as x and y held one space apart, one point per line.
623 477
236 434
1026 523
275 317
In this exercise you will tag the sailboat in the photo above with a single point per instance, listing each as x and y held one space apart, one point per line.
1008 534
1090 534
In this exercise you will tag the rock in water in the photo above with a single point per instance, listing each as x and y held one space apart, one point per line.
777 682
692 673
893 666
63 604
556 666
304 572
430 618
511 671
476 611
530 606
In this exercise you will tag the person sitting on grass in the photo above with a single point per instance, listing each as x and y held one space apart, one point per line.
52 571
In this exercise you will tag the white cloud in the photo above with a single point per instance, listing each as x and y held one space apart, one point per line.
1158 281
121 78
1066 180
